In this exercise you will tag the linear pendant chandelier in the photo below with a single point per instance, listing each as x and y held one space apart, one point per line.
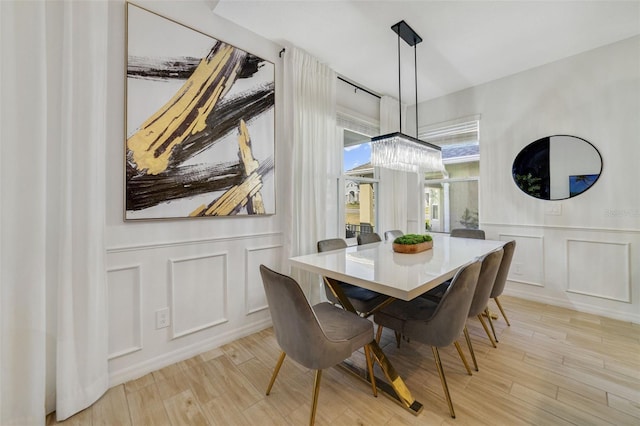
399 151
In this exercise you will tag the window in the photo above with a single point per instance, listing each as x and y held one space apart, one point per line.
451 197
360 185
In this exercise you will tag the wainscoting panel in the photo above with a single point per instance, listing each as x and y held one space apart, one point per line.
270 256
599 269
125 310
527 266
198 293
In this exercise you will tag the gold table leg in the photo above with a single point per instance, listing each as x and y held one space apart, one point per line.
395 388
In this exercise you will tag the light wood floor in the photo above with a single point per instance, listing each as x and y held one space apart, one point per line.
553 366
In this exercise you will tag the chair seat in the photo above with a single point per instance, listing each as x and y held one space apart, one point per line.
436 293
363 300
340 325
396 315
359 293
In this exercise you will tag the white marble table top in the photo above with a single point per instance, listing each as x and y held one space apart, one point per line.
403 276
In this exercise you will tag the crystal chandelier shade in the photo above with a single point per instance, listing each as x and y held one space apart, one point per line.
404 153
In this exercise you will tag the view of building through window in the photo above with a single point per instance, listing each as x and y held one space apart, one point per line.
451 196
360 186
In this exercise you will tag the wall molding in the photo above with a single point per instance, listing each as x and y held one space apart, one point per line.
248 251
179 243
531 283
172 292
562 227
138 370
138 332
512 276
627 269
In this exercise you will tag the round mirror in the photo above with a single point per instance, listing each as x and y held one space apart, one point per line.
557 167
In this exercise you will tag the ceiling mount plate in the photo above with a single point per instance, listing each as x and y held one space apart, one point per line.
406 33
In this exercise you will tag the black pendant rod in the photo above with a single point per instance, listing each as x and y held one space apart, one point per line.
415 70
399 86
412 39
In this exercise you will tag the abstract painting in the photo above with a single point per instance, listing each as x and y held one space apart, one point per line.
200 124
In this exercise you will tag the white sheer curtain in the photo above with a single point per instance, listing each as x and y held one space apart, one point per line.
393 202
53 346
310 99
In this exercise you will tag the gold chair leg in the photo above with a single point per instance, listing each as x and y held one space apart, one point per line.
502 311
486 330
276 371
316 391
436 357
470 346
372 377
462 357
493 329
379 333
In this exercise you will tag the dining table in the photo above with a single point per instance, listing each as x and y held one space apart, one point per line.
378 267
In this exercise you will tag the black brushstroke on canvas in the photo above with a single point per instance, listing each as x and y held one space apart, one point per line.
146 191
153 68
187 181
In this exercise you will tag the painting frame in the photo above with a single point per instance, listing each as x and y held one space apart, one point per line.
199 123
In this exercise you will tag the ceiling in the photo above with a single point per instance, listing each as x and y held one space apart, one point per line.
465 43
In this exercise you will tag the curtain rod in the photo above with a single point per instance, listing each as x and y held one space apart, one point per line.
358 87
343 79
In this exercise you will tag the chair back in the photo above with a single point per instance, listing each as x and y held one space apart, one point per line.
296 326
449 318
392 235
331 244
478 234
368 238
486 279
501 278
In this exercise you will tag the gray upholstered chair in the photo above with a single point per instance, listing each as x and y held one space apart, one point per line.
486 279
436 293
435 324
501 279
392 235
318 337
368 238
364 301
478 234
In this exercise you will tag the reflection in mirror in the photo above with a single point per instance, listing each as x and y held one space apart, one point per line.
557 167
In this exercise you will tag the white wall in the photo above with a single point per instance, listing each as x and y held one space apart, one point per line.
587 257
204 270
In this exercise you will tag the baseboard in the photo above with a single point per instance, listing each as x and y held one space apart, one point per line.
138 370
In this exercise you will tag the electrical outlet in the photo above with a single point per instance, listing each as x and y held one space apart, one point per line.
162 318
554 209
517 268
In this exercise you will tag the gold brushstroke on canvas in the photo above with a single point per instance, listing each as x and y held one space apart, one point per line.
240 195
154 141
250 165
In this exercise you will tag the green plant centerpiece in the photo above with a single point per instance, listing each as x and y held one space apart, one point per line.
412 243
